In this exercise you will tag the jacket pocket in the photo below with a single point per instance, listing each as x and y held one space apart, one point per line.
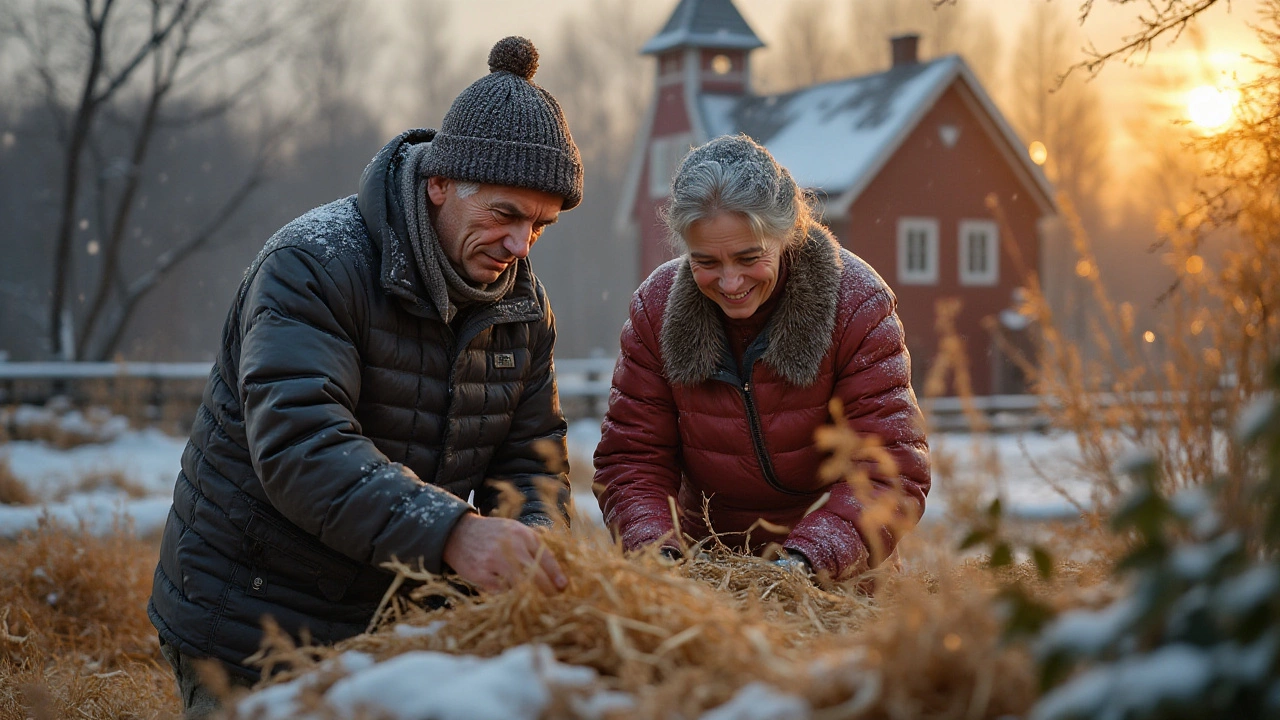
281 553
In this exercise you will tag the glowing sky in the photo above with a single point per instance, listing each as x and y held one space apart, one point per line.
1133 93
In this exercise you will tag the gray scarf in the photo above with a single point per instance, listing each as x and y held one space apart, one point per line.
446 289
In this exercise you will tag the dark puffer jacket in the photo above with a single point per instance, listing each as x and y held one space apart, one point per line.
684 422
344 424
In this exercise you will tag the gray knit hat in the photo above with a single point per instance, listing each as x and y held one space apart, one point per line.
505 130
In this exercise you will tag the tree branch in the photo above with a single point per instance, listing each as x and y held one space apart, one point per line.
152 44
161 83
169 259
1173 17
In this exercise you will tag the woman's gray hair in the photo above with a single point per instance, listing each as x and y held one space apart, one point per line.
733 173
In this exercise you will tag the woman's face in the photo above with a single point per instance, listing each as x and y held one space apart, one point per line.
730 265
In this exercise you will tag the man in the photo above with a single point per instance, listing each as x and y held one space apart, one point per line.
386 355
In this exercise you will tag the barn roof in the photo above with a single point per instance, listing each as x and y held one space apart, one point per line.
836 136
704 23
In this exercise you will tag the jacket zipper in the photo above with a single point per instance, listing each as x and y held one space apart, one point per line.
467 332
757 437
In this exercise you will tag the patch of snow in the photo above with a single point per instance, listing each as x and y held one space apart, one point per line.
1089 631
587 509
1196 562
1257 416
602 704
1243 593
412 631
1020 468
1132 687
1015 458
1014 320
516 685
758 701
147 457
282 700
97 514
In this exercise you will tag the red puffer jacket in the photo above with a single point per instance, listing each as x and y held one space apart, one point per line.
683 422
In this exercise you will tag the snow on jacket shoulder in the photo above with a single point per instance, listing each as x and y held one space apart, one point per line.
684 423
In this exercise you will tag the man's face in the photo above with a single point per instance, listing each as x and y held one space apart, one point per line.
484 233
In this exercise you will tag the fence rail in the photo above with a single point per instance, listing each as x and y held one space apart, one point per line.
584 384
103 370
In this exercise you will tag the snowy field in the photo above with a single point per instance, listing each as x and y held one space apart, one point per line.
1012 465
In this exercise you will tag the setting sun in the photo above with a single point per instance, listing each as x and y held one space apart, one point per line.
1210 107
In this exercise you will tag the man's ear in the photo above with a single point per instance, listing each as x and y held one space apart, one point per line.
437 189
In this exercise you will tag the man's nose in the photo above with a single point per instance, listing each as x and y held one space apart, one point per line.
519 240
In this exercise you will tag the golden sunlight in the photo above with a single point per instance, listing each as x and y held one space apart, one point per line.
1038 152
1209 107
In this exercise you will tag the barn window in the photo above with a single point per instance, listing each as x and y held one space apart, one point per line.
979 252
665 154
917 251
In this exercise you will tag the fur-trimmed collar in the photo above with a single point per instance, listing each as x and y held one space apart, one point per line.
798 333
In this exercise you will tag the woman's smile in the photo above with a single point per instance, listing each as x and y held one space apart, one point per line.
724 253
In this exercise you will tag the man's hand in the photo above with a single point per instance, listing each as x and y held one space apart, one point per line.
494 553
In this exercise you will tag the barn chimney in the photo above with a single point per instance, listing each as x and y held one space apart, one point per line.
905 48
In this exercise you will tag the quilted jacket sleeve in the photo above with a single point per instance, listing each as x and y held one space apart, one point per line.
299 377
857 529
534 458
637 467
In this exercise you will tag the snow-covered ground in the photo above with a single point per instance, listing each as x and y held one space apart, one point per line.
519 684
1013 465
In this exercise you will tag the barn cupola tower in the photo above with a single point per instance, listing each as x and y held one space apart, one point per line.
704 47
702 70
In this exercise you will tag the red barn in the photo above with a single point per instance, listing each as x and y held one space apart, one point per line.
902 163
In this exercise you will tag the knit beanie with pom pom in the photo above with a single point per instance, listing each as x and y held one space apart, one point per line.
505 130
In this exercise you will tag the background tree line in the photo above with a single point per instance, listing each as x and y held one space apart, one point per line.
149 147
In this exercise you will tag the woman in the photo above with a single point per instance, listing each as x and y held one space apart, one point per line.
730 358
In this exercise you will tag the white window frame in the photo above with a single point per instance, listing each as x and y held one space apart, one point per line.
665 154
989 233
928 275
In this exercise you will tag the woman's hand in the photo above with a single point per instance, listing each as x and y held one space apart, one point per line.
795 562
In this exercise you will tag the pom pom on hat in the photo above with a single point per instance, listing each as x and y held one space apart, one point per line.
515 55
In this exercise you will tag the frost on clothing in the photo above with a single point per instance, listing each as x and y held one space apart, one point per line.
680 422
341 427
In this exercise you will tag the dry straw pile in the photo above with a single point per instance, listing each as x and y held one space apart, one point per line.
682 640
75 641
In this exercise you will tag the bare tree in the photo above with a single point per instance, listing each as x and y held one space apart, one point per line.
1066 119
595 71
809 50
823 40
107 68
601 80
944 29
441 68
1156 19
1164 17
1063 114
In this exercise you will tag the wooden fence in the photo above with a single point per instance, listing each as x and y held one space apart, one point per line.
170 392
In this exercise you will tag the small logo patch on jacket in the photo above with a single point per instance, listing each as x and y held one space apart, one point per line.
504 360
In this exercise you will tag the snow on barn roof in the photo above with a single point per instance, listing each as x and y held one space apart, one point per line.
836 136
704 23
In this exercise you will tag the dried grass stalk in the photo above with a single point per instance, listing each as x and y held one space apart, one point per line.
75 641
